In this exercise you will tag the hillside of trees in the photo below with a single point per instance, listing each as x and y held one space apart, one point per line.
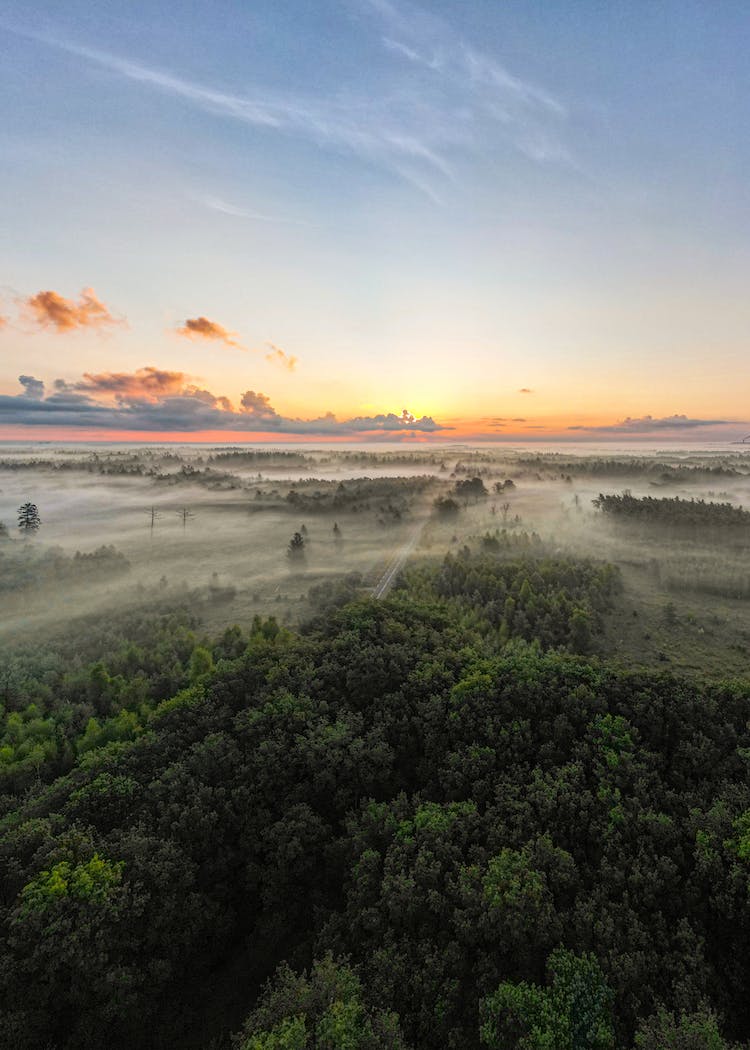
409 826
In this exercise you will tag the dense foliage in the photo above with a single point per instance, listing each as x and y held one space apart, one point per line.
23 567
456 838
692 513
511 589
470 488
60 700
656 470
391 497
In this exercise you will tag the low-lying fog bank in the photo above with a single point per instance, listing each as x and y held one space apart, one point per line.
213 528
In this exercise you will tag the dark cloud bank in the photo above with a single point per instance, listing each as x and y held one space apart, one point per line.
153 399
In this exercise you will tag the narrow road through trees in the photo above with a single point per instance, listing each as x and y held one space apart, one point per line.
397 562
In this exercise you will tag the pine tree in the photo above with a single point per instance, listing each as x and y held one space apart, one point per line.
28 519
296 549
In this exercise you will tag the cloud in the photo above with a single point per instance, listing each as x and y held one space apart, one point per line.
442 99
145 384
650 425
49 309
33 388
525 390
214 400
435 44
279 357
529 117
257 405
152 399
4 321
498 423
391 423
410 53
202 328
226 208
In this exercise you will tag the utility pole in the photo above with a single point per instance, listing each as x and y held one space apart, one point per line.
185 514
153 514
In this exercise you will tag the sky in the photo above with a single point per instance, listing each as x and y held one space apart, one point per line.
370 219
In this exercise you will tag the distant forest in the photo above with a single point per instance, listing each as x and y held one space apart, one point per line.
672 511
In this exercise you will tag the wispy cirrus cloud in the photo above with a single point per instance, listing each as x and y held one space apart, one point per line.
444 99
428 40
372 128
277 356
49 309
153 399
203 328
235 211
482 89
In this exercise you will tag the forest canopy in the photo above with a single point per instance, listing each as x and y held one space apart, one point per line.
424 822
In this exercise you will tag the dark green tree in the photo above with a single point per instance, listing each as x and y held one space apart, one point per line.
28 519
699 1031
323 1009
573 1013
295 551
470 488
446 507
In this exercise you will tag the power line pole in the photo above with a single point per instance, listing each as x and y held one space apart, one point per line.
185 514
153 514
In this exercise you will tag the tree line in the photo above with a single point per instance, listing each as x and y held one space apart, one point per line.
672 510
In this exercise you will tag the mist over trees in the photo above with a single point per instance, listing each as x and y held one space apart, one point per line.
246 807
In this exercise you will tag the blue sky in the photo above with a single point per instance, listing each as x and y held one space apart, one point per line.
433 207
